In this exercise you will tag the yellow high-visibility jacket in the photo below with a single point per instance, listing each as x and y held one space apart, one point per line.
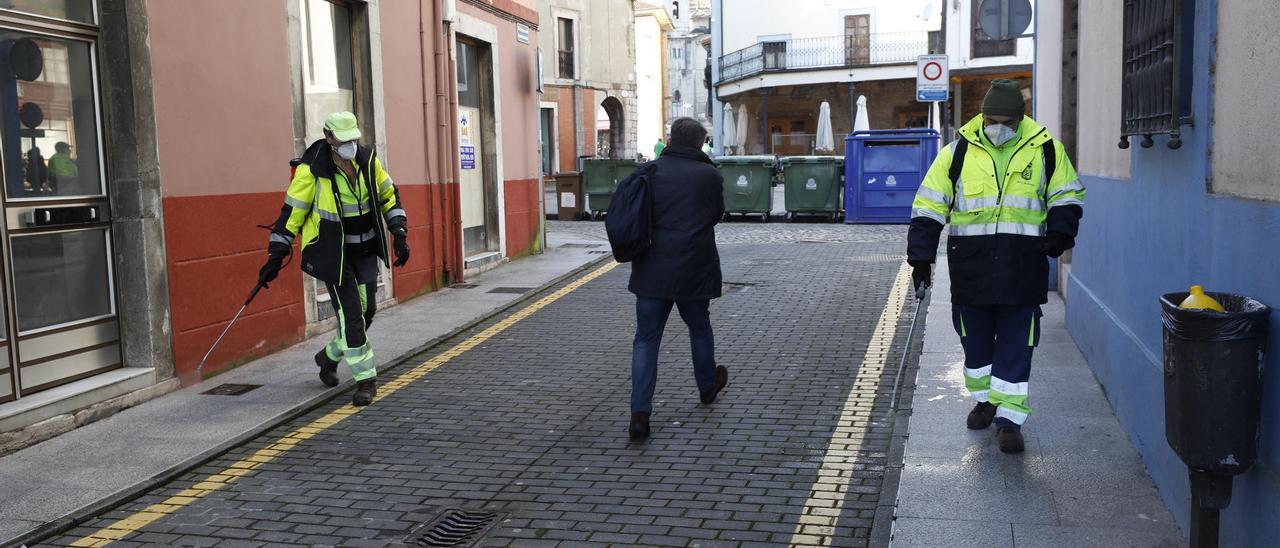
320 197
994 246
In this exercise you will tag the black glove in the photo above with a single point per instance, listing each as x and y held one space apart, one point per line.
401 242
1055 244
270 270
921 274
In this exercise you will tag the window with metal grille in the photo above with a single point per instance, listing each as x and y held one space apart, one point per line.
1155 92
565 49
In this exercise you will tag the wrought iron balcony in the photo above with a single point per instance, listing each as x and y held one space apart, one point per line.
825 52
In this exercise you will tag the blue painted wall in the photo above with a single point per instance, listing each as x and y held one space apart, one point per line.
1160 232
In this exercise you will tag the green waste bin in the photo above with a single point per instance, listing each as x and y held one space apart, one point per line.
811 185
748 184
600 179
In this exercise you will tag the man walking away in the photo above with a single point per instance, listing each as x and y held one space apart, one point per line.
342 201
1004 222
681 268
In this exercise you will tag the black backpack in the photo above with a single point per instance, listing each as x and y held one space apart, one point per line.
629 220
962 148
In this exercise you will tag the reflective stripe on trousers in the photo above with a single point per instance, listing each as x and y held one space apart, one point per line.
998 345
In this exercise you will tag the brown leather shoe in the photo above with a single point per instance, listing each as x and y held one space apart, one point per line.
981 416
366 390
639 425
1010 439
722 380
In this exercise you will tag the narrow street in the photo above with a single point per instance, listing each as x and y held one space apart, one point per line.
524 416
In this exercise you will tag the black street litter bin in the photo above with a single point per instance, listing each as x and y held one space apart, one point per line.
1213 397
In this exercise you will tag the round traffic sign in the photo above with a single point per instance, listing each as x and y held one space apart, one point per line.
932 70
1004 19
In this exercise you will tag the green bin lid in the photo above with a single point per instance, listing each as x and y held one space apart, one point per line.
763 159
811 159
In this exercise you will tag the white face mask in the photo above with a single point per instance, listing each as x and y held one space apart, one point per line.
347 150
999 134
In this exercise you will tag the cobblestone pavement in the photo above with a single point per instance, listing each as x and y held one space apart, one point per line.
747 232
525 415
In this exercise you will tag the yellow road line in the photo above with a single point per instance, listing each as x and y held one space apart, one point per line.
817 523
132 523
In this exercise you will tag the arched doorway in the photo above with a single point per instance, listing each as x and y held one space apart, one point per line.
615 135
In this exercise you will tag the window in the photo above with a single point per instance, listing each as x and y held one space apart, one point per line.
80 11
50 125
857 39
775 55
548 120
1156 71
564 48
675 53
981 45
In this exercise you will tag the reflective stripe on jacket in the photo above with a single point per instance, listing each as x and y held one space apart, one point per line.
996 230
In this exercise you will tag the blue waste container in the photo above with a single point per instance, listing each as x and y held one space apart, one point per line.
883 170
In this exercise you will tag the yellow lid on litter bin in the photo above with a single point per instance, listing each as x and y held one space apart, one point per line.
1197 300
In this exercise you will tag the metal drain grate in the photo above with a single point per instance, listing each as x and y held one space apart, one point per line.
454 528
513 290
596 252
579 246
231 389
727 288
462 286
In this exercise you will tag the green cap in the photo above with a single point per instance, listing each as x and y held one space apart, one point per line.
1004 99
343 126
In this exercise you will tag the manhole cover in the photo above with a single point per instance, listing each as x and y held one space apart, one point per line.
462 286
231 389
580 246
513 290
454 527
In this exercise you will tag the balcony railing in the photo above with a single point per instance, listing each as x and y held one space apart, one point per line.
824 52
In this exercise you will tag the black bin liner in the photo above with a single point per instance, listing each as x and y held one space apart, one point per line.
1213 381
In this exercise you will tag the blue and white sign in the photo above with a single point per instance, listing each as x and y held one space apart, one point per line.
933 78
468 157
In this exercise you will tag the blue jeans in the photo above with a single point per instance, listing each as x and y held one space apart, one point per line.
651 320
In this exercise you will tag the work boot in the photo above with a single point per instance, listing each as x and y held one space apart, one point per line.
981 416
722 379
639 425
366 390
1010 439
328 369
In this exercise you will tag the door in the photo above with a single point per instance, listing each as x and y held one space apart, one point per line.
857 39
477 183
58 318
471 181
330 83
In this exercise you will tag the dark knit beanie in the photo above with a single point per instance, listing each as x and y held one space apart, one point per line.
1004 99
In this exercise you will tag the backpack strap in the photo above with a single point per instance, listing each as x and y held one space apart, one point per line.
958 150
1050 160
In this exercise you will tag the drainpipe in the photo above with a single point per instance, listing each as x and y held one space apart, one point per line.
717 49
426 127
446 136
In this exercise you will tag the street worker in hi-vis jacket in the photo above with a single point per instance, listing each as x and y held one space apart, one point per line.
1012 199
342 202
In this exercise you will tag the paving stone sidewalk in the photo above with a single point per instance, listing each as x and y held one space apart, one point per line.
1079 484
531 423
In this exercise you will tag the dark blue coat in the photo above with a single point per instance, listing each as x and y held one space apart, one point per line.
688 201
